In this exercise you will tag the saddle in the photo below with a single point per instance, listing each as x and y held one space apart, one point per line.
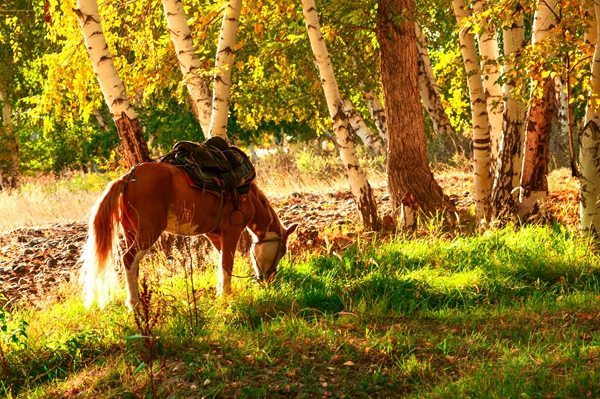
214 165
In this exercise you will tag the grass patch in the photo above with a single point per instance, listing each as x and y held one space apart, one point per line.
511 313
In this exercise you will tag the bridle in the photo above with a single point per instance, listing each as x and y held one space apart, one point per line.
275 260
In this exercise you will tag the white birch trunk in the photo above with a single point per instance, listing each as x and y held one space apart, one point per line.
378 114
6 110
488 47
189 63
113 89
481 133
100 120
106 73
589 156
591 34
361 128
430 94
534 187
563 110
357 179
253 154
12 140
507 176
223 65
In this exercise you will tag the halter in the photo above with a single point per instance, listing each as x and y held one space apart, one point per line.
275 260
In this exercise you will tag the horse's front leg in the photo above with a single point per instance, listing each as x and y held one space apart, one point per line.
226 245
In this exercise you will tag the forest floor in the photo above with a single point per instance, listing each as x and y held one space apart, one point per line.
438 313
35 260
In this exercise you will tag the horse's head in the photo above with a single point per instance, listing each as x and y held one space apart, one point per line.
267 252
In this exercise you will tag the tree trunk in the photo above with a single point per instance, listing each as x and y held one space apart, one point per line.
507 177
363 195
100 119
130 132
410 180
12 142
361 129
223 66
378 115
430 95
189 63
589 155
488 47
481 132
534 183
560 91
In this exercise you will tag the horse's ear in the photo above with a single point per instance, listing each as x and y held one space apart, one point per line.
291 229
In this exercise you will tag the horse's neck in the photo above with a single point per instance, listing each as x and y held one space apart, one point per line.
265 224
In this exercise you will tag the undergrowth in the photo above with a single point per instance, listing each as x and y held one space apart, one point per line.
510 313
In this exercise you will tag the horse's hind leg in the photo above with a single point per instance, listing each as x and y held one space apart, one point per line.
136 249
131 260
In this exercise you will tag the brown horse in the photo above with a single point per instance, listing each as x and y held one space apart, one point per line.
156 197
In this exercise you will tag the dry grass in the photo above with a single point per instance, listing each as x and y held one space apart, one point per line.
44 201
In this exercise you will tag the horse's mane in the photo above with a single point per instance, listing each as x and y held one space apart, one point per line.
260 194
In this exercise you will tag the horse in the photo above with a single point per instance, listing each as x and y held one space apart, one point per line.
155 197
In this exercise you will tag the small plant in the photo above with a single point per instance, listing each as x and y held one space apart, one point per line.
146 344
12 333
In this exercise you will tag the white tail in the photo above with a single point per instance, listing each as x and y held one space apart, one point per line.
97 272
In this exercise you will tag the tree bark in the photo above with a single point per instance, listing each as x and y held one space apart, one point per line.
410 180
361 190
378 114
534 175
589 155
481 132
223 66
507 177
430 94
132 138
362 130
12 142
189 63
488 48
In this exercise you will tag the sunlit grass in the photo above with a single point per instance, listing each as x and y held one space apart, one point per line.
507 313
511 312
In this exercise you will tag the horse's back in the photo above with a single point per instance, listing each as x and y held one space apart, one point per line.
159 197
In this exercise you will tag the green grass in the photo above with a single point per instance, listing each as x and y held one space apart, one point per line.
511 313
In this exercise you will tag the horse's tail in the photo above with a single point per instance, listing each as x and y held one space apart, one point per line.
98 270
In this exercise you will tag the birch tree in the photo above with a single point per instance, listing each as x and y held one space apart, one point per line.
378 114
589 156
10 138
410 180
488 48
481 133
129 128
534 181
361 190
189 63
428 88
507 178
361 129
223 66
